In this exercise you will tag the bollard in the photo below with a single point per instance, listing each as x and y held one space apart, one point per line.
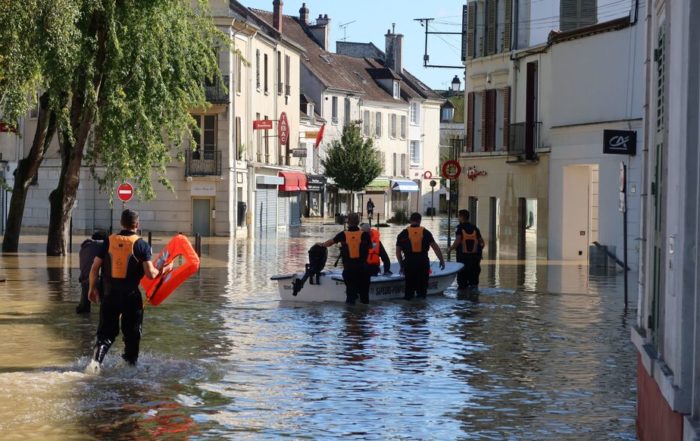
198 244
150 237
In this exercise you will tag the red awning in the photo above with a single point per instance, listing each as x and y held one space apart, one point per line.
293 181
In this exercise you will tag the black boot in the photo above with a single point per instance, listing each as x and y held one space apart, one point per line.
101 349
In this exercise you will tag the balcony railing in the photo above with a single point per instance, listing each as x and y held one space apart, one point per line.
202 163
216 90
524 140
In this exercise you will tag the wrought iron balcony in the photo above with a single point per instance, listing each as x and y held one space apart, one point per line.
202 163
524 140
216 90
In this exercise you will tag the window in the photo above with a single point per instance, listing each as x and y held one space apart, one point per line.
404 172
381 157
498 124
478 98
448 113
267 145
378 125
346 112
415 113
334 110
205 137
239 153
392 125
279 73
287 79
365 123
396 164
415 153
267 88
403 126
397 90
316 158
257 69
239 69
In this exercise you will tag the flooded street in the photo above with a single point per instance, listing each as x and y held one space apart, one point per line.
542 353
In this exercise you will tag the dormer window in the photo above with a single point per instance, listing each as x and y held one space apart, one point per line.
397 90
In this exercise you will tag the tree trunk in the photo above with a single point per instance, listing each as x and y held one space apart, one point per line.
26 172
62 199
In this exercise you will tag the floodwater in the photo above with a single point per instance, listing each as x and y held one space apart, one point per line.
542 353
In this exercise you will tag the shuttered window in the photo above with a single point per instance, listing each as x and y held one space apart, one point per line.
507 25
506 117
366 123
471 31
378 125
470 122
334 110
287 75
257 69
393 125
403 126
491 26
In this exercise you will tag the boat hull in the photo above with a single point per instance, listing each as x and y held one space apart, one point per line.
330 287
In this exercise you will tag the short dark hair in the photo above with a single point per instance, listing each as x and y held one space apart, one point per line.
464 214
99 235
353 219
130 218
415 217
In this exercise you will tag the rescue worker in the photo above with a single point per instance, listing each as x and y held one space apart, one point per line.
412 246
354 248
88 250
376 252
469 245
124 259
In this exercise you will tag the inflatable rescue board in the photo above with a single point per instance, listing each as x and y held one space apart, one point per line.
161 287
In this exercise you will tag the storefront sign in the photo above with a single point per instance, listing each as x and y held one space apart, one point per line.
283 129
299 153
473 173
310 135
203 189
316 182
262 124
620 142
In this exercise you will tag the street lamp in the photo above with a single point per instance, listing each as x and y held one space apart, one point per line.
456 84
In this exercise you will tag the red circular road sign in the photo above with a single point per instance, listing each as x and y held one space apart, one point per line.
283 129
451 169
428 174
125 192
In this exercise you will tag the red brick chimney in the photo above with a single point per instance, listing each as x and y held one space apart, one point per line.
277 15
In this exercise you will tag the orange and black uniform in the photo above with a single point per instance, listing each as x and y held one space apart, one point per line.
415 242
469 253
376 254
122 257
355 246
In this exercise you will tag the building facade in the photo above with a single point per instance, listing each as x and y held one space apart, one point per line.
666 331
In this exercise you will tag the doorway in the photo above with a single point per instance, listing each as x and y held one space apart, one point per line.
201 217
579 211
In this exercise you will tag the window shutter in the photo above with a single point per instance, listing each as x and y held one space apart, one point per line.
484 114
470 121
471 30
506 118
490 133
508 26
465 21
491 17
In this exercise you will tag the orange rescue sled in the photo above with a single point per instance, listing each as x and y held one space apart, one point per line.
161 287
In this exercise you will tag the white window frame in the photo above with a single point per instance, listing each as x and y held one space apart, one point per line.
415 113
397 90
392 126
334 109
378 125
415 149
403 126
366 122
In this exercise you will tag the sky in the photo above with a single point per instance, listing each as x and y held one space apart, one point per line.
369 20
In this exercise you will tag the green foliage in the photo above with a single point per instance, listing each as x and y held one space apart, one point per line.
352 162
137 67
400 217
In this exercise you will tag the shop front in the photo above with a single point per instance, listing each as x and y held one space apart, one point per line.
290 195
313 201
401 189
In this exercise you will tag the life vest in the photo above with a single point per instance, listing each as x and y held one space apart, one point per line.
162 286
373 256
121 253
352 242
415 235
470 242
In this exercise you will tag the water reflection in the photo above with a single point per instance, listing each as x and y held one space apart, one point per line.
539 352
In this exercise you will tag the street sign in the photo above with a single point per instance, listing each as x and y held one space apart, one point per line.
299 153
427 174
433 183
283 129
262 124
125 192
451 169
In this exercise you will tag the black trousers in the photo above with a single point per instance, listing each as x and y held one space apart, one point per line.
130 307
356 280
417 274
469 275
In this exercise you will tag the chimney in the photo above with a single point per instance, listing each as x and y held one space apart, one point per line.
321 31
304 14
277 15
394 51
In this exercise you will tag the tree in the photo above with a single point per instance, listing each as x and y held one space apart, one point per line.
353 161
135 71
36 38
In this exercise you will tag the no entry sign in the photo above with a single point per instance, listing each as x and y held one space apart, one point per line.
125 192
